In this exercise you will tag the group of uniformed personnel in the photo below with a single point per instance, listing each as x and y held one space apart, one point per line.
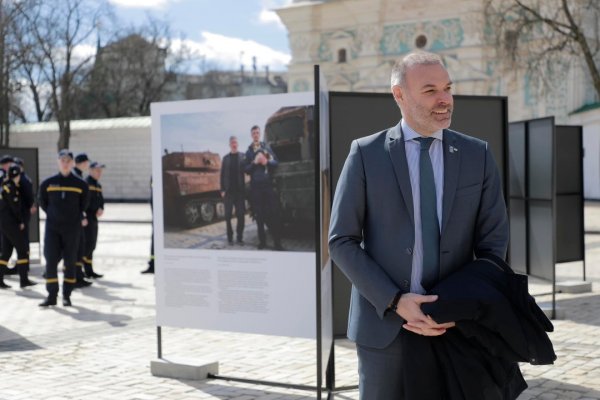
72 203
16 207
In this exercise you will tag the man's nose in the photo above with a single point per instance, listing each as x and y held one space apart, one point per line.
445 98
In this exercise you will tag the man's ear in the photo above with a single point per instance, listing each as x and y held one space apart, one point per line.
397 93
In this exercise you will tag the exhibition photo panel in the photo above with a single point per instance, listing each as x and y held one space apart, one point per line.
234 214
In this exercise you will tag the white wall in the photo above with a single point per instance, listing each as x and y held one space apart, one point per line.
123 144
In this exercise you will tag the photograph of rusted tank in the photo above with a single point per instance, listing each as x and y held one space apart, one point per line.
191 189
194 209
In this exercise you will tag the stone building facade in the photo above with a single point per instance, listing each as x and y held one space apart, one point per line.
356 43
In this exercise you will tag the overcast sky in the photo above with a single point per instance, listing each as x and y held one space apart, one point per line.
224 32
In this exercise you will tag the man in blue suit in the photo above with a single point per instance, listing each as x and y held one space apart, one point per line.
413 204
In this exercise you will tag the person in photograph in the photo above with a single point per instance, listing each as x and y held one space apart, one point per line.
260 164
413 204
233 190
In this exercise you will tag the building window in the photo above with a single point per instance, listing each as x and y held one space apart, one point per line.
421 41
341 55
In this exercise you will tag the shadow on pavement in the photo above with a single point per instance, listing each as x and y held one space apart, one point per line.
563 390
87 315
224 391
30 294
15 342
101 293
112 284
583 310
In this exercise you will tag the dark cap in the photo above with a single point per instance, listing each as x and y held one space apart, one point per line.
65 153
96 164
81 157
18 161
14 170
6 159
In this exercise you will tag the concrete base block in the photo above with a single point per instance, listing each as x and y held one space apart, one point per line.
547 309
574 287
181 368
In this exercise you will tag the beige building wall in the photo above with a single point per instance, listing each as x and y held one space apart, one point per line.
123 144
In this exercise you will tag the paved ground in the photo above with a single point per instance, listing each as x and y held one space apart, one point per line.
102 347
214 237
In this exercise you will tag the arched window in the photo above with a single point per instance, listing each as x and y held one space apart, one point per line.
341 55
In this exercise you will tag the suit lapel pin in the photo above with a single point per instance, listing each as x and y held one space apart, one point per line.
453 149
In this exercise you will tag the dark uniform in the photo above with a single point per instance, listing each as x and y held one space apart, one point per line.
265 204
64 199
96 203
28 200
232 184
13 228
81 249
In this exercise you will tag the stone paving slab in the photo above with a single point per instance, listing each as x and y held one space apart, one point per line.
102 347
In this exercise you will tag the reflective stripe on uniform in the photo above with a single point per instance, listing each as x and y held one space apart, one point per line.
96 189
7 189
87 260
2 262
64 189
67 280
52 280
23 261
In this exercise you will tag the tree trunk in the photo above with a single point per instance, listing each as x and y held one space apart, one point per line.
64 135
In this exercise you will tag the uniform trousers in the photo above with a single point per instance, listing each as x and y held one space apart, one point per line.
14 238
60 243
91 238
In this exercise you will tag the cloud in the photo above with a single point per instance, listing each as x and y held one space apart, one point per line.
267 16
156 4
226 53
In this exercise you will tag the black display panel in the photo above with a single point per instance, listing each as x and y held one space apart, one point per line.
569 228
540 159
484 118
569 173
518 235
516 157
541 239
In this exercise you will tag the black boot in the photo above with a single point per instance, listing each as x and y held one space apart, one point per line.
11 271
89 269
50 301
150 269
23 276
2 284
67 302
81 283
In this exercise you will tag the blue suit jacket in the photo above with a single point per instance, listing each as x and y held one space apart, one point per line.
372 224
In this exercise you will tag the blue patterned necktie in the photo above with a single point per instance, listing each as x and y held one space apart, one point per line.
430 228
